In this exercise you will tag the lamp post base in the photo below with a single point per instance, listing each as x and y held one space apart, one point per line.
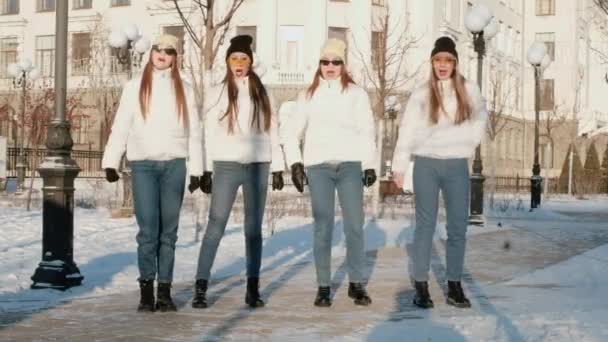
535 191
56 274
476 205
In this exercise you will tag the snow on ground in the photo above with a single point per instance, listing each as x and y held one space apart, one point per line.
570 295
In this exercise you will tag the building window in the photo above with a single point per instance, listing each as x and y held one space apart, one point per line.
546 155
45 55
117 3
339 33
8 54
45 5
292 47
545 7
249 30
9 7
547 96
177 31
82 4
81 53
549 39
378 50
378 2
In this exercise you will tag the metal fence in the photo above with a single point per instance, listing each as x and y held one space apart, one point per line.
88 161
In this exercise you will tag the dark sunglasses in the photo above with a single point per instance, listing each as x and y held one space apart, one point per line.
167 51
325 62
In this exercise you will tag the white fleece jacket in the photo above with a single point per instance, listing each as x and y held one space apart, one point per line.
336 126
444 140
161 136
246 144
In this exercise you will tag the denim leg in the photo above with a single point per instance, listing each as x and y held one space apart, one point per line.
227 177
322 187
350 192
146 198
171 196
426 188
255 186
455 190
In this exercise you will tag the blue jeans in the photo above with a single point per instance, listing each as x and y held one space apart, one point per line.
158 191
227 178
451 176
324 180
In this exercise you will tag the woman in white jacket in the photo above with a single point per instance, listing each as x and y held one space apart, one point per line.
335 120
241 142
158 126
443 123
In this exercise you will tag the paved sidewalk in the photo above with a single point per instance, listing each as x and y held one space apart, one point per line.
492 258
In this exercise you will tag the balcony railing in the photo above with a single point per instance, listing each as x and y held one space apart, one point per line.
81 66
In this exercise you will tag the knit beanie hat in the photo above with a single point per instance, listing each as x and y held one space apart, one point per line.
166 41
445 44
242 44
335 47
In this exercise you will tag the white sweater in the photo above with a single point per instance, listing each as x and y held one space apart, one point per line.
161 136
336 126
246 144
444 140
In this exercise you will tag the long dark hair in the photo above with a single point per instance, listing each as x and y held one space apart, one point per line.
259 98
345 80
464 103
145 90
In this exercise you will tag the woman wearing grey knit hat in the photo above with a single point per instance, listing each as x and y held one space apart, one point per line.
335 121
443 123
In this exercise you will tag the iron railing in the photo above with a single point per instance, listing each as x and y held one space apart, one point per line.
88 161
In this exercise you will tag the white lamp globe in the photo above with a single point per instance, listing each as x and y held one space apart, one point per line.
142 45
34 74
474 22
536 53
26 64
14 70
490 30
544 63
131 31
484 12
117 39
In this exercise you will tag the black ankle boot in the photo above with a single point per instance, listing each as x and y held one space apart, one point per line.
200 294
357 292
252 298
456 295
422 298
323 296
146 301
163 298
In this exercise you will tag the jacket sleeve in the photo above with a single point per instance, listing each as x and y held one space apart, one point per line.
278 161
195 139
123 120
294 132
367 126
407 128
480 115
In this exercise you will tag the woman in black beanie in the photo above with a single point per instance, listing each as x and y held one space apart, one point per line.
443 123
242 145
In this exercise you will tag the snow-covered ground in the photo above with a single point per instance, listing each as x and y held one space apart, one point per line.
569 296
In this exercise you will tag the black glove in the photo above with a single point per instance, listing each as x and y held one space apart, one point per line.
298 177
277 180
111 175
369 177
206 182
195 182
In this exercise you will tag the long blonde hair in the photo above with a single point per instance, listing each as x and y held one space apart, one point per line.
145 91
464 108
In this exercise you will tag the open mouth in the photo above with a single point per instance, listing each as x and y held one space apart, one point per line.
161 59
239 72
331 72
443 73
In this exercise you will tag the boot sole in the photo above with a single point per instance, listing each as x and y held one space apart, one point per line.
322 305
424 306
458 305
146 309
200 306
362 302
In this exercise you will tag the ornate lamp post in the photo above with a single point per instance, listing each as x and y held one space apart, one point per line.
129 46
479 22
57 269
540 60
22 73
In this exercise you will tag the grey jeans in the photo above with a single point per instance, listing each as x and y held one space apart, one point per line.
451 176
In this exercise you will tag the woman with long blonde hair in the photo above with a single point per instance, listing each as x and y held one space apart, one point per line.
242 145
443 123
158 126
335 121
